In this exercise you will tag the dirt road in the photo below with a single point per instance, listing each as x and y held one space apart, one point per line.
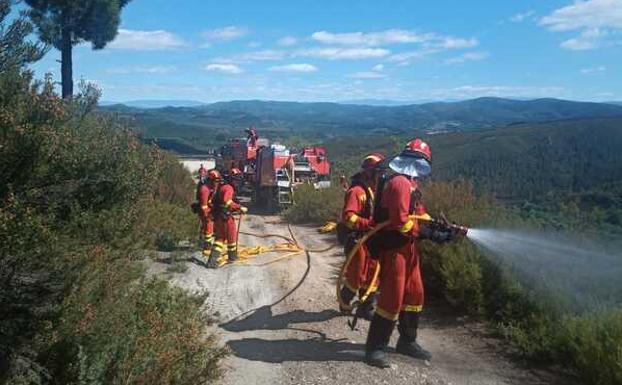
282 327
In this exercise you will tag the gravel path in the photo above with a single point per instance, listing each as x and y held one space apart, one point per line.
282 327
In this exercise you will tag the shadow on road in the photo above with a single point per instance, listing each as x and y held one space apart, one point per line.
263 319
278 351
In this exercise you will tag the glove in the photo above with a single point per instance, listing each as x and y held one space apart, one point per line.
243 209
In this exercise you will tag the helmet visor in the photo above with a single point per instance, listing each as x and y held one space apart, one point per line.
411 166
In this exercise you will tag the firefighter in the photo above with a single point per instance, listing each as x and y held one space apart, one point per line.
205 193
356 219
224 205
251 136
401 287
202 172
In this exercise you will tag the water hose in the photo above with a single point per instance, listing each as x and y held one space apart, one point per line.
350 255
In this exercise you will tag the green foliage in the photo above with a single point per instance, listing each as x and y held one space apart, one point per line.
16 51
79 194
119 327
315 206
593 344
95 21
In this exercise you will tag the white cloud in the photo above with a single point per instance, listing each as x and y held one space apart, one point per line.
254 44
253 56
287 41
593 70
585 14
455 43
520 17
378 67
224 68
589 39
153 70
367 75
594 17
344 53
146 40
389 36
404 58
301 67
228 33
468 56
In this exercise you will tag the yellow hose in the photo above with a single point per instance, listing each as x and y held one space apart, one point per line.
351 254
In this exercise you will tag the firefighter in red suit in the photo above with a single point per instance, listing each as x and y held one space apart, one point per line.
251 136
207 185
356 219
224 204
401 287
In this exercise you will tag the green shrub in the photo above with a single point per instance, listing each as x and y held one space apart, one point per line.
593 345
118 327
315 206
79 194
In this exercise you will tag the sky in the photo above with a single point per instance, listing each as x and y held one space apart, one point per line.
338 50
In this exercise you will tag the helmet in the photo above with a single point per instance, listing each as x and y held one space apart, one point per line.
214 175
415 160
372 161
235 172
418 148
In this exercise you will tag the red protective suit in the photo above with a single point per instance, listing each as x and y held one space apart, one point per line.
207 223
224 222
401 287
356 215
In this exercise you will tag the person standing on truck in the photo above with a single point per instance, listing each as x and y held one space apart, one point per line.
224 205
251 136
356 219
401 287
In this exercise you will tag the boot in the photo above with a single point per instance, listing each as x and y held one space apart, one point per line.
214 256
366 309
378 338
407 343
347 296
232 254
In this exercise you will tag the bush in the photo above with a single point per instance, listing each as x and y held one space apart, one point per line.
119 327
78 194
315 206
593 345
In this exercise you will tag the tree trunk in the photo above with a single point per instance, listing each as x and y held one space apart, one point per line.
66 63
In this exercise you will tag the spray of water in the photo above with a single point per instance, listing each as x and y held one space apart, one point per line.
584 273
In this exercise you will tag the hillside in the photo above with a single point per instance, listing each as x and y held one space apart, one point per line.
215 122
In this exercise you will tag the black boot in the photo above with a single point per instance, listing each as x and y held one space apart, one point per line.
232 254
214 256
378 338
366 309
347 296
407 343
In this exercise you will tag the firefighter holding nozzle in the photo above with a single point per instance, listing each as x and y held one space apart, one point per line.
400 297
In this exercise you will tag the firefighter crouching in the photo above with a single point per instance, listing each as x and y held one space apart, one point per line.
224 205
401 287
356 219
208 182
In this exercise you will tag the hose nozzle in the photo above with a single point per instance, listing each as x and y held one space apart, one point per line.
459 229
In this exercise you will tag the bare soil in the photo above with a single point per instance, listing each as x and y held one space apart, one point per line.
281 324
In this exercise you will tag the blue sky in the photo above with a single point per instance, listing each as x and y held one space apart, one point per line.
342 50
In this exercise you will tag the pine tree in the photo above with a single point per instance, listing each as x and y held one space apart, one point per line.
65 23
15 50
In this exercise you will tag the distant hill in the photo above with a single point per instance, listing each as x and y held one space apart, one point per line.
155 103
215 122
